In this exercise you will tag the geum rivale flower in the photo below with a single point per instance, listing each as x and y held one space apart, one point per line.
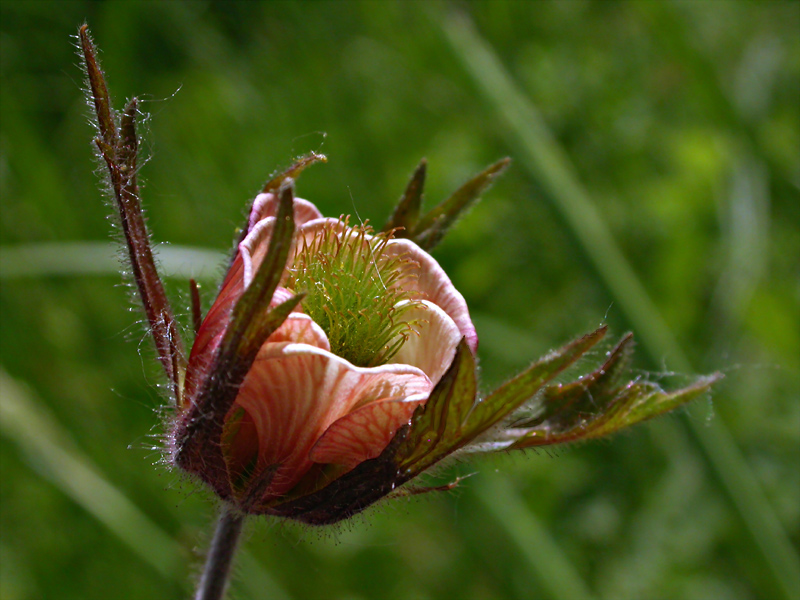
377 327
337 363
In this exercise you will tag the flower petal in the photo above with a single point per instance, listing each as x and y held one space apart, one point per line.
294 392
213 328
266 205
433 345
299 328
434 285
253 248
311 229
365 432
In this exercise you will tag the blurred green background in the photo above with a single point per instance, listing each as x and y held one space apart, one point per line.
654 186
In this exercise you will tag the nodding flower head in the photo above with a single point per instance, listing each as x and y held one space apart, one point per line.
377 326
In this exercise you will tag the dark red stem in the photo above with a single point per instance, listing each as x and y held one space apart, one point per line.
118 146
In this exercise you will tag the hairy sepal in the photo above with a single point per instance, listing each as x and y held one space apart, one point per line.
199 431
431 228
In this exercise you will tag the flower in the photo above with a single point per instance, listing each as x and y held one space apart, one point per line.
333 389
337 364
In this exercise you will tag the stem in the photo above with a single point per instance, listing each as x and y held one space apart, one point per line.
118 144
214 580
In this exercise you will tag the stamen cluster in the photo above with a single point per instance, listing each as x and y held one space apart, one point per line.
354 291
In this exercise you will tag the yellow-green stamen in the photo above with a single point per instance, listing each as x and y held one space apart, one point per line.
352 288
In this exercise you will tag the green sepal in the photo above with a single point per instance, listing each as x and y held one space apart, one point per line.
432 227
569 401
600 403
246 326
512 394
265 324
660 402
453 417
274 184
406 213
252 322
436 426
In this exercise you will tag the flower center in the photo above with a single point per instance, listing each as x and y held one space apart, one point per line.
352 288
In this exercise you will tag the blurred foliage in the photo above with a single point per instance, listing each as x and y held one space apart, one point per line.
681 120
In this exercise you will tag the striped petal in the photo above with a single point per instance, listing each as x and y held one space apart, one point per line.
434 285
365 432
294 392
300 329
433 345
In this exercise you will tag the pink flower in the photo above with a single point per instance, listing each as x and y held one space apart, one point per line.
338 364
303 403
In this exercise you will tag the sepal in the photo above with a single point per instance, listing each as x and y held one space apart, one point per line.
198 431
406 213
597 404
292 172
427 231
431 229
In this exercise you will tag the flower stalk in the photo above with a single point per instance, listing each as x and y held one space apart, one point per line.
219 561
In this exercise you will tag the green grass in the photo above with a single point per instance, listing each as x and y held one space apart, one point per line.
656 153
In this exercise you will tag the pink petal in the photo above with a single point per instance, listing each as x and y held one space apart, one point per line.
295 391
253 247
213 328
266 205
433 284
217 319
365 432
299 328
311 229
280 296
433 345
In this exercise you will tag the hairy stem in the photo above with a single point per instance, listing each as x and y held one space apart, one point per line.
217 570
118 145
